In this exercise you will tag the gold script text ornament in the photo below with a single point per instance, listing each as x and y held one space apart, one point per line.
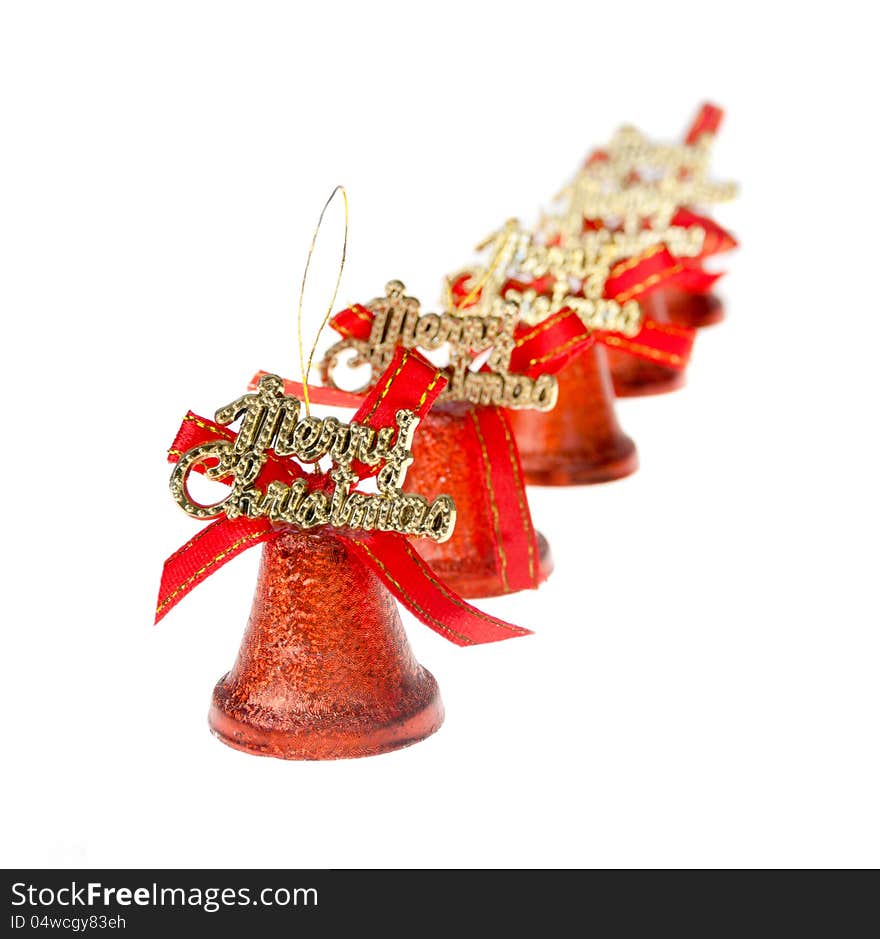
270 419
580 270
639 180
397 320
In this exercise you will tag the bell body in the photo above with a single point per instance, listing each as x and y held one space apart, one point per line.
448 458
580 441
324 670
634 377
693 310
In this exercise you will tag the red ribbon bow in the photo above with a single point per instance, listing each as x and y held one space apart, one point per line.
410 382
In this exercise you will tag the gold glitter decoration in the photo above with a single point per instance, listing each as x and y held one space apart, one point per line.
270 419
487 327
640 181
579 269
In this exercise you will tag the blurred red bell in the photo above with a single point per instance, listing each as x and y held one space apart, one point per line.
325 670
580 441
451 456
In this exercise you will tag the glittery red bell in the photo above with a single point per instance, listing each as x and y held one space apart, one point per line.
450 457
634 377
325 670
580 440
693 310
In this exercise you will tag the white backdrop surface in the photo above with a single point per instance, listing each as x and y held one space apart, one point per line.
702 686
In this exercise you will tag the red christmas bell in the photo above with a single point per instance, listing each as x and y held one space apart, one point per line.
484 479
580 441
633 376
325 670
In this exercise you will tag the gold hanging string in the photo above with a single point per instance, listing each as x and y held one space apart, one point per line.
306 366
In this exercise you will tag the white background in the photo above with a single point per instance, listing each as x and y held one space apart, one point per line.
702 688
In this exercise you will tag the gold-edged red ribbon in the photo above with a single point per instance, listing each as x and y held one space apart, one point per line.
410 382
488 433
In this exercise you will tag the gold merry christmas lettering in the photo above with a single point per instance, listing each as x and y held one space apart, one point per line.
270 420
398 320
638 180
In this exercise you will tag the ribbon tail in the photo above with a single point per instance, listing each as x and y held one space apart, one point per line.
205 553
516 543
410 579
